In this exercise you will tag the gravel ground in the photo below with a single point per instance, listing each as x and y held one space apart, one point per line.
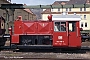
85 43
10 54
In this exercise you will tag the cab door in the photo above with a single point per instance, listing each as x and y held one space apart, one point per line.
60 37
74 34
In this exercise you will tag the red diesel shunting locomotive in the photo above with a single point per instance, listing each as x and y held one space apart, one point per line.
60 31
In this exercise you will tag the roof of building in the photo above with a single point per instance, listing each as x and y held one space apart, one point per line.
67 3
27 10
73 2
76 2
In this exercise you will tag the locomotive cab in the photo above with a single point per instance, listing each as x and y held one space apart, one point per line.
66 31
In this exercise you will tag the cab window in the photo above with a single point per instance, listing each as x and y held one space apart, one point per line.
72 26
59 26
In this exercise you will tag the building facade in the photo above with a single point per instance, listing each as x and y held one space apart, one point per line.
26 14
83 12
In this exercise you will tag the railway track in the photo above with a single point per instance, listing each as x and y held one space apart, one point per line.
11 54
36 59
21 58
44 55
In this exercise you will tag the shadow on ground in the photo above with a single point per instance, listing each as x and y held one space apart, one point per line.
52 51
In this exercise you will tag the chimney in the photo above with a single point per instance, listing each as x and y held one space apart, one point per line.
24 4
63 3
87 2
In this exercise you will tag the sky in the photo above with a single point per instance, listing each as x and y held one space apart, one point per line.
35 2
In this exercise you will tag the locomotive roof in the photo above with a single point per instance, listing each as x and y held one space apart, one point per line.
66 17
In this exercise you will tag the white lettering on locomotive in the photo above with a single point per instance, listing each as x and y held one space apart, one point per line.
59 37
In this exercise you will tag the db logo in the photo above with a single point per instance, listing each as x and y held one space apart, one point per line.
59 37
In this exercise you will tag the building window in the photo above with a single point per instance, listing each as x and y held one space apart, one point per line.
18 12
52 9
25 15
81 16
25 19
84 16
85 24
58 9
69 9
84 9
74 13
16 17
4 14
81 24
66 9
80 9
